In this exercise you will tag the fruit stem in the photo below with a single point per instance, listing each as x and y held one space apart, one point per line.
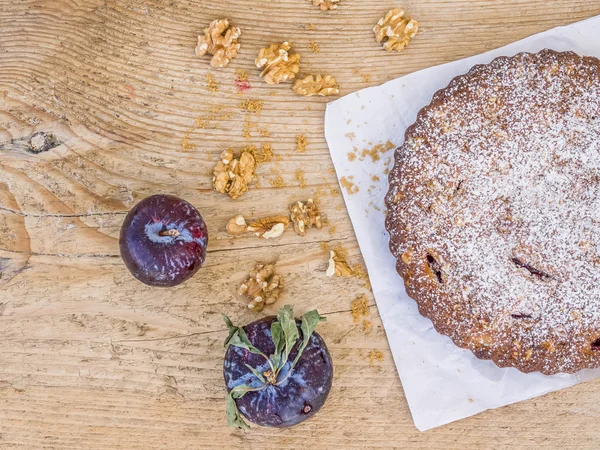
172 232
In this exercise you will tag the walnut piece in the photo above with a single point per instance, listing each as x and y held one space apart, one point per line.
220 39
237 225
270 227
278 63
325 4
232 175
262 287
338 266
319 85
305 215
396 30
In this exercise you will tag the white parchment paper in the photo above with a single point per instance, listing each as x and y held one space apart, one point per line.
442 382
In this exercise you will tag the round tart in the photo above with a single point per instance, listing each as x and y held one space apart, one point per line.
494 211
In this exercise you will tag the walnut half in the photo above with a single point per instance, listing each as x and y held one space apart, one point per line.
232 175
396 30
262 287
338 266
305 215
270 227
316 85
278 63
220 39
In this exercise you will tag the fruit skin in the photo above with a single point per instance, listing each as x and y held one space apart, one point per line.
163 260
297 398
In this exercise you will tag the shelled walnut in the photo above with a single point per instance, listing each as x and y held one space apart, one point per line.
232 175
262 287
316 85
278 63
325 4
396 30
237 225
338 266
305 215
220 39
269 227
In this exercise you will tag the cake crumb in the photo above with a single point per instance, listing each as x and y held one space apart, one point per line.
186 145
314 46
310 26
277 182
332 230
301 143
375 356
213 86
350 187
366 77
324 246
375 178
367 326
241 81
360 308
350 136
300 178
351 156
252 106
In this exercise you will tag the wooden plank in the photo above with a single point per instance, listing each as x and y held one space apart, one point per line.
92 359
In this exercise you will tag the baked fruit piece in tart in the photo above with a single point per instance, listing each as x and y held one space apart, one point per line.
494 211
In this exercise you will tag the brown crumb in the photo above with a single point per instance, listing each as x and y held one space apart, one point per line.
351 136
324 246
350 187
314 46
277 182
375 178
240 75
213 86
264 132
367 326
360 308
310 26
332 230
351 156
366 77
375 356
359 272
186 145
264 154
335 193
252 106
301 143
300 178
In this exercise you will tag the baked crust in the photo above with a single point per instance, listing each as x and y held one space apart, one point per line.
494 211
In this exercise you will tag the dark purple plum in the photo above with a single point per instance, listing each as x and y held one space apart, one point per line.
163 240
288 400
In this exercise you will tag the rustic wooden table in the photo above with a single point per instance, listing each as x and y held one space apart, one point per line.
89 357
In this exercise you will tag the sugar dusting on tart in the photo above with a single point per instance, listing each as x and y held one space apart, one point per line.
494 211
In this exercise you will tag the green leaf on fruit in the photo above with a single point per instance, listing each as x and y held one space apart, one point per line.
234 418
256 373
279 341
232 329
238 338
310 320
290 329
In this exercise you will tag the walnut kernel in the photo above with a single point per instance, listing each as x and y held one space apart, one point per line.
237 225
278 63
232 175
305 215
396 30
220 39
319 85
269 227
338 266
262 287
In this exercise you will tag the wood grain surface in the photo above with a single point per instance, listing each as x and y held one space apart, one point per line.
92 359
